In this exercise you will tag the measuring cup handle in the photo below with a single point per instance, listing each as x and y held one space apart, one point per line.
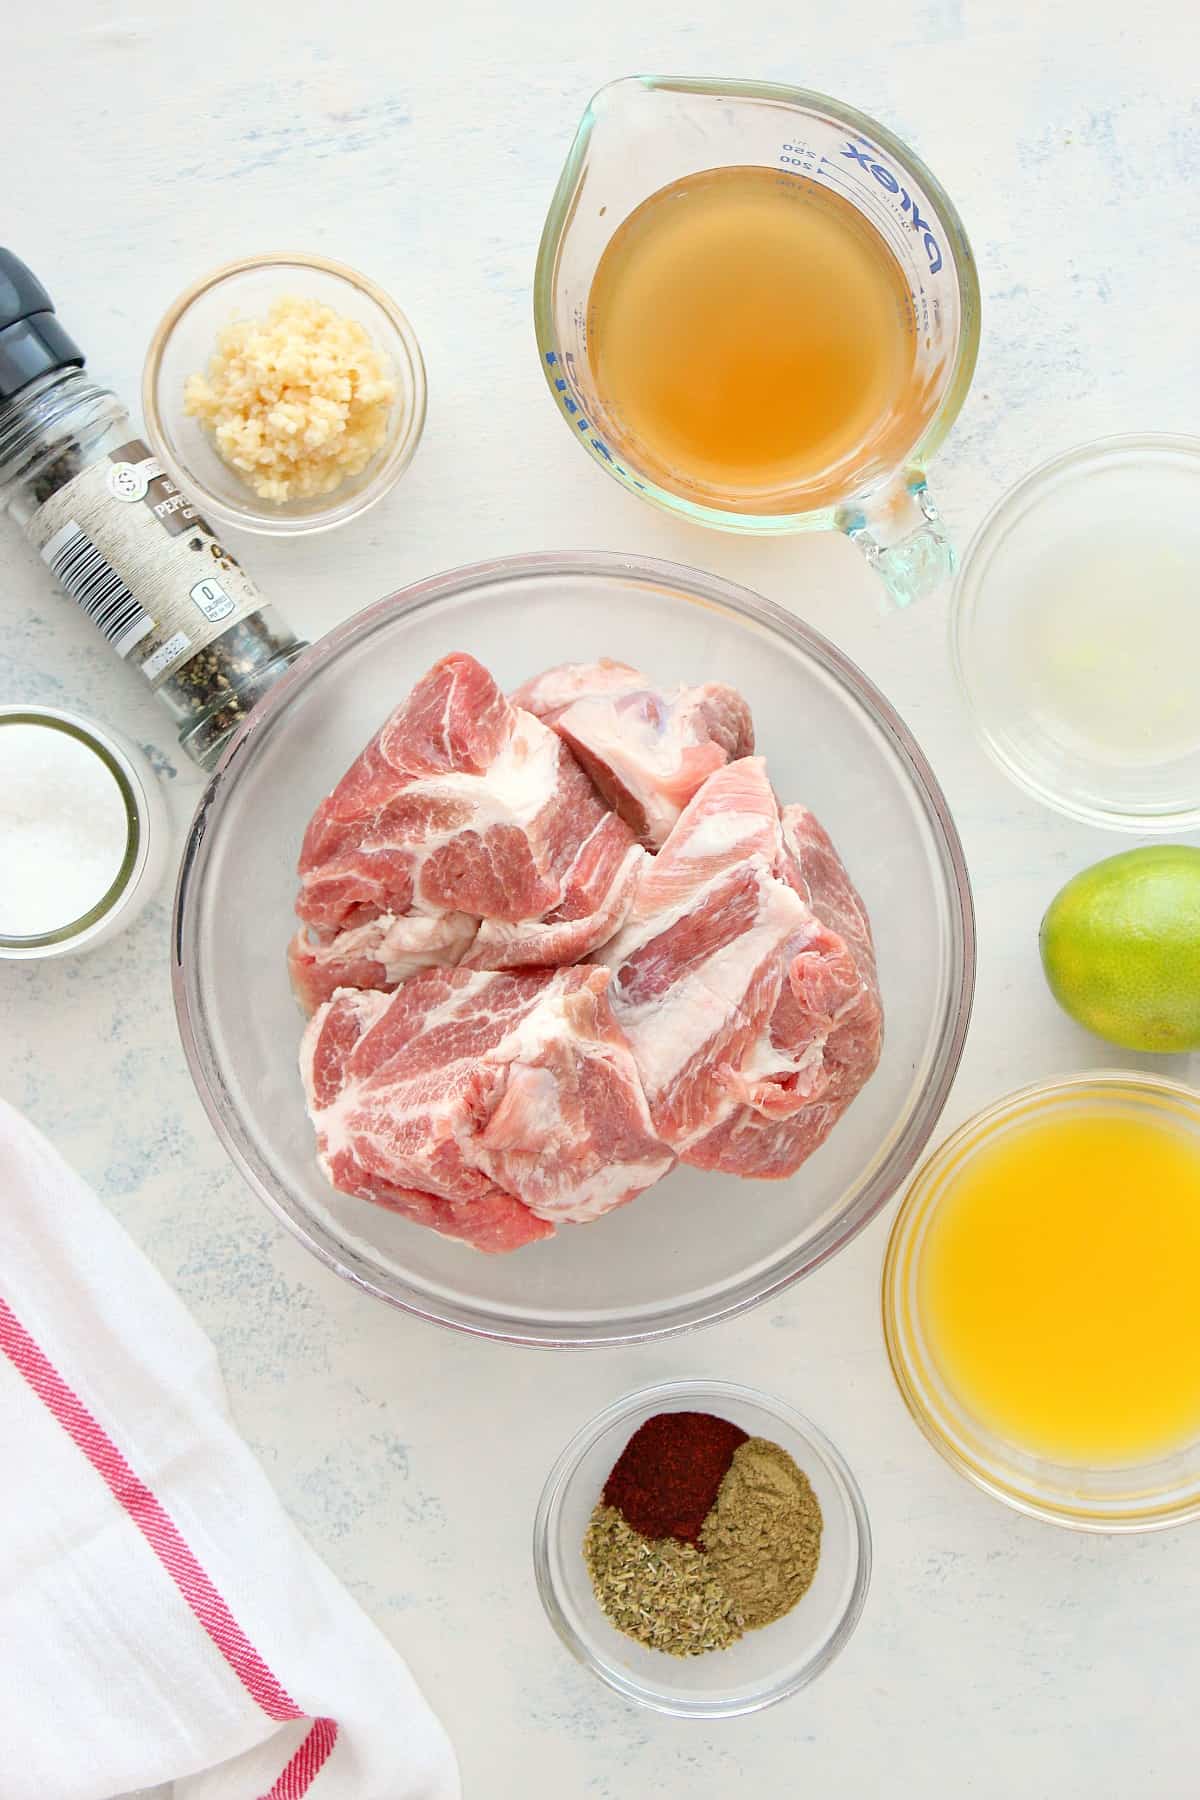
900 533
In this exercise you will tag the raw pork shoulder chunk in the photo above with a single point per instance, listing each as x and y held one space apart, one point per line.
647 749
464 833
491 1107
745 981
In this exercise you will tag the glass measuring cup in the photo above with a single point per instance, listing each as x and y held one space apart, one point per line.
641 134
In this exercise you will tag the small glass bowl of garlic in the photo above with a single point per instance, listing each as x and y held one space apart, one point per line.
285 394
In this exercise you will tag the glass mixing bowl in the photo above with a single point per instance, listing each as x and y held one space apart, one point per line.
764 1666
698 1247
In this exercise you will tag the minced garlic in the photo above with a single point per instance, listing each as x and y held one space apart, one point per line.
297 403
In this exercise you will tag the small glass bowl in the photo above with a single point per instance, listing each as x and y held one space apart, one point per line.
1126 1497
185 341
765 1665
146 845
1075 635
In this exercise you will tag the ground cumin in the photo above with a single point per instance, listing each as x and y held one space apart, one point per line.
762 1539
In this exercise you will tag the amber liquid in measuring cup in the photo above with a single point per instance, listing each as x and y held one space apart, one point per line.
752 344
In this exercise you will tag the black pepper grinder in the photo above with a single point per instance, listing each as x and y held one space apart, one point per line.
123 542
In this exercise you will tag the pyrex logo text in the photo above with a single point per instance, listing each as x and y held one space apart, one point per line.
885 178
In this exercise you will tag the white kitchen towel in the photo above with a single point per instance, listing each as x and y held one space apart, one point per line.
160 1618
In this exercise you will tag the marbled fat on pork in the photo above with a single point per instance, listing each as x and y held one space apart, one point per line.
647 749
467 860
464 832
745 981
490 1107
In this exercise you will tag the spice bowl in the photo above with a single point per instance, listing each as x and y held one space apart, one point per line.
186 339
763 1666
87 827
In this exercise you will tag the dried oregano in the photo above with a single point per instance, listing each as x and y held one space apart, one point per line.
657 1590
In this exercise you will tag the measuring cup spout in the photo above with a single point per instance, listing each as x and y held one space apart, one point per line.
900 533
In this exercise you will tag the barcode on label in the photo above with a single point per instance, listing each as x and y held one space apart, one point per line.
96 588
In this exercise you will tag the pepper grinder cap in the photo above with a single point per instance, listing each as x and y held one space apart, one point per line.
32 342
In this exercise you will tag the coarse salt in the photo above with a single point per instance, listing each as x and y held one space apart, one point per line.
64 829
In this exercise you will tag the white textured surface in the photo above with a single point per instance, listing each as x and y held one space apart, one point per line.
995 1656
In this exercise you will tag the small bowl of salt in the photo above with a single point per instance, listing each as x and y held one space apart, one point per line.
84 828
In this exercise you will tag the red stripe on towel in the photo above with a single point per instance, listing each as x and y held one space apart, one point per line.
172 1551
306 1764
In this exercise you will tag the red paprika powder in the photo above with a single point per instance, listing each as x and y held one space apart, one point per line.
666 1479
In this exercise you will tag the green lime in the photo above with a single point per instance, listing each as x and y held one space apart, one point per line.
1121 948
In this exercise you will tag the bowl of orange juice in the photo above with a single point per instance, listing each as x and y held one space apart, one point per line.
1040 1301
